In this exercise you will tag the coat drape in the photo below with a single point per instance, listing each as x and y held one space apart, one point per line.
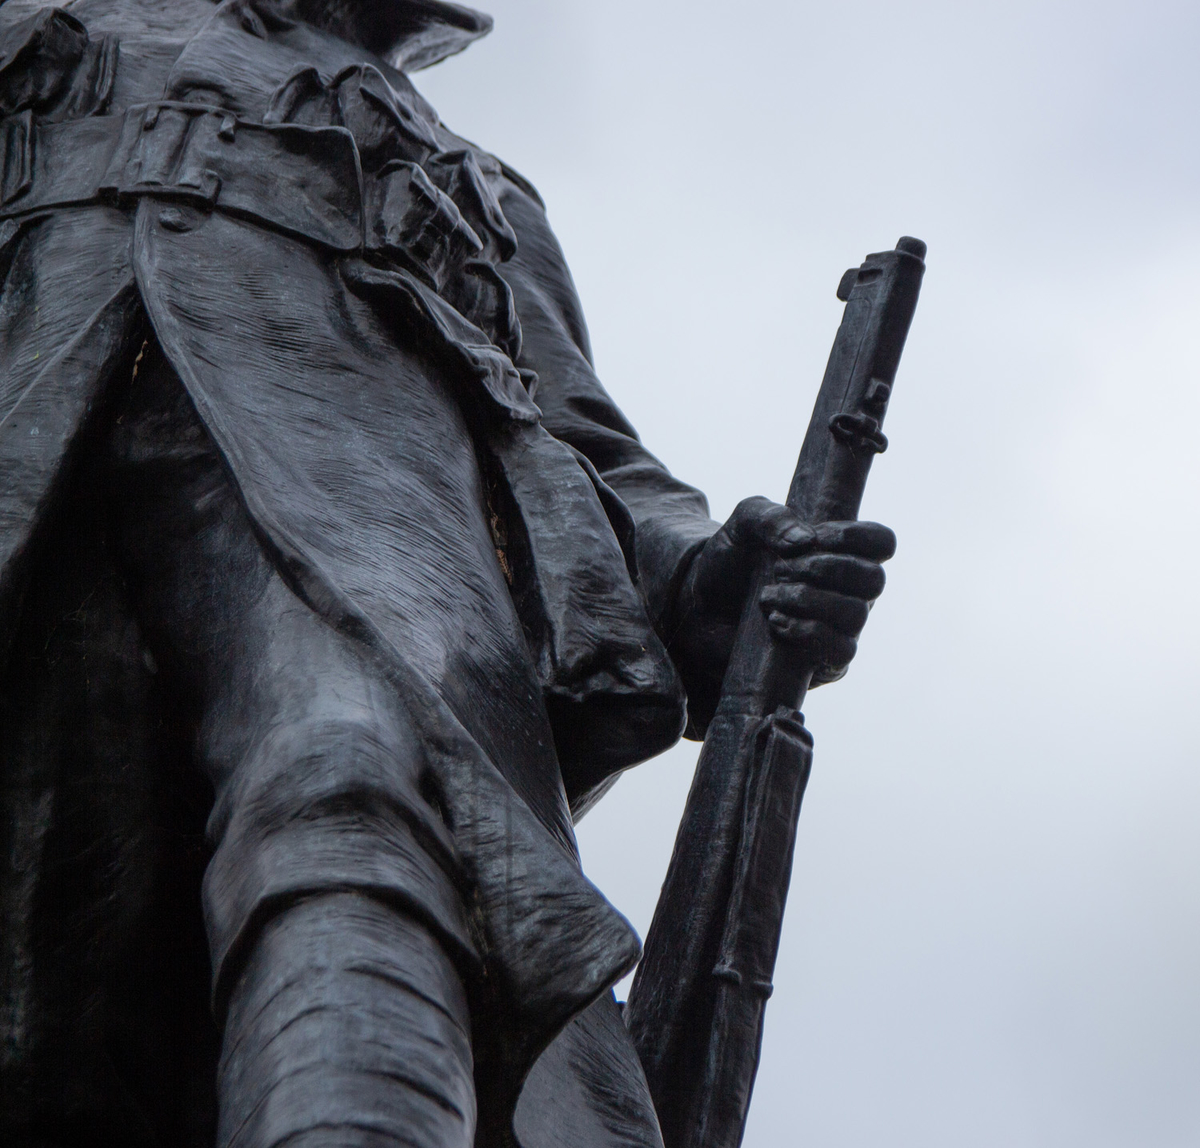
262 184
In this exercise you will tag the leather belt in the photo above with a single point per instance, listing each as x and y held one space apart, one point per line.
305 181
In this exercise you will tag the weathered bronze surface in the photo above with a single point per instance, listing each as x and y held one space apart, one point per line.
333 589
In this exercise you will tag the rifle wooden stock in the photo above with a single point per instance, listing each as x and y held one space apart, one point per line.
697 1003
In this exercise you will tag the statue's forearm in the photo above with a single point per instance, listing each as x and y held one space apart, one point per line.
671 517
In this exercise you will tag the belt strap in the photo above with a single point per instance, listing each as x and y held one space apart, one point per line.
297 179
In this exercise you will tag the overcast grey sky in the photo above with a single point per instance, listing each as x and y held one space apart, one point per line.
993 937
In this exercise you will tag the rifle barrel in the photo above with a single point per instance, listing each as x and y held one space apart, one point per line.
698 1000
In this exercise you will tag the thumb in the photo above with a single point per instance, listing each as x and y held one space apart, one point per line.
760 524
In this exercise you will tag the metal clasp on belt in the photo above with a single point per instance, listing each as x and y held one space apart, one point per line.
154 156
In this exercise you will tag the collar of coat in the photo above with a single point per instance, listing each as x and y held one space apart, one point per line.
409 34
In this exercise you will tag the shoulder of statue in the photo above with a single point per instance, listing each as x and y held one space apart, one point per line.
409 34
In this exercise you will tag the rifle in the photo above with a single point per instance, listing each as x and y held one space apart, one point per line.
698 1000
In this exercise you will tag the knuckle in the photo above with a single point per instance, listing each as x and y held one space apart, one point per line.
839 649
751 509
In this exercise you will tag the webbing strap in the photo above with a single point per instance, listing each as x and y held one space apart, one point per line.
297 179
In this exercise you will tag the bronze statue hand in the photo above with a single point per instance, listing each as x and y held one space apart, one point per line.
819 586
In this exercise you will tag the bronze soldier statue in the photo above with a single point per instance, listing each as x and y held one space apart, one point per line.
333 589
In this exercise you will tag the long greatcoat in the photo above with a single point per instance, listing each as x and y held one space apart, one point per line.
263 186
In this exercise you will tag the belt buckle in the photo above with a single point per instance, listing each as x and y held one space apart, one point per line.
161 153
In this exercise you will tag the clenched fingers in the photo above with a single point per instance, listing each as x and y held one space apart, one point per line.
829 647
869 540
801 602
845 573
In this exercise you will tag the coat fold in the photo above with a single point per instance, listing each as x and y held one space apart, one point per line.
272 200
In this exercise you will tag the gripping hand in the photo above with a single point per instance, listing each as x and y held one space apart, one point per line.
819 585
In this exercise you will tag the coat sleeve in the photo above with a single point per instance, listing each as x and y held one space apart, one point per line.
671 519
